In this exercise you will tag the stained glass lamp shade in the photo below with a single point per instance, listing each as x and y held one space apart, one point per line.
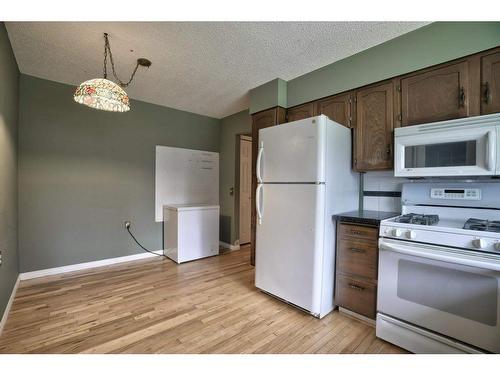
103 94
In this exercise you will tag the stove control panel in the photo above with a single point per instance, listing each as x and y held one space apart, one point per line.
454 193
490 242
398 232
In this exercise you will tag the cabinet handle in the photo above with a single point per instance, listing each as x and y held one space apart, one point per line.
486 93
461 97
356 287
355 250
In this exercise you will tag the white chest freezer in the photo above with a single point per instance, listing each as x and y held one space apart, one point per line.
190 231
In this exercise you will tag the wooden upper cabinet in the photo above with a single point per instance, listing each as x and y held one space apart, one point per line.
490 83
300 112
374 126
260 120
435 95
337 108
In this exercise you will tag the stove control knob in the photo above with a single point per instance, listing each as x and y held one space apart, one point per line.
479 243
396 232
497 246
411 235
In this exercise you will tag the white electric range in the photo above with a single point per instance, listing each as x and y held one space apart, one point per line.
439 269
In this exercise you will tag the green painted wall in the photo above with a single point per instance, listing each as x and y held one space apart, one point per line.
433 44
238 123
9 90
270 94
83 172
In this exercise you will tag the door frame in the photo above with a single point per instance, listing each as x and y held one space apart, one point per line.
241 137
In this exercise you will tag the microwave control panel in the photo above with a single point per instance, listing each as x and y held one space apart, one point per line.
467 194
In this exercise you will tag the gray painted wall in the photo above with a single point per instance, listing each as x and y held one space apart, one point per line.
238 123
268 95
9 94
83 172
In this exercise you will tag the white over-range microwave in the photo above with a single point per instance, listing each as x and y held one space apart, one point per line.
462 147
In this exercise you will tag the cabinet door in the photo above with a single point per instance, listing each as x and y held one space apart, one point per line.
435 95
356 294
300 112
260 120
374 126
337 108
490 83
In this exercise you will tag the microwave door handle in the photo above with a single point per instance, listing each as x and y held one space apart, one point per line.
490 153
439 256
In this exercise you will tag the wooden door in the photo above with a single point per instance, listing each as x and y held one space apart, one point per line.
245 190
300 112
337 108
374 126
435 95
261 120
490 83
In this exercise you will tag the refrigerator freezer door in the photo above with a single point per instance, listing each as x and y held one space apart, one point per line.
293 152
289 243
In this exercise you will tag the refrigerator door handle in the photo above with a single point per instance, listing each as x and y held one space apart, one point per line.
257 204
259 158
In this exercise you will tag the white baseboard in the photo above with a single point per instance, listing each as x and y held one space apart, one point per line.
229 246
82 266
9 304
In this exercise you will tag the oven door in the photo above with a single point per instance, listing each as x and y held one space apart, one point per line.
451 292
446 152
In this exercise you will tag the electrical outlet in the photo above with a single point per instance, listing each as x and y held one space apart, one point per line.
127 224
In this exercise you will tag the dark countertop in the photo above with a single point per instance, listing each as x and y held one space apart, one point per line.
367 217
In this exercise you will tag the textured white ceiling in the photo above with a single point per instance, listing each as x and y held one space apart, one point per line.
201 67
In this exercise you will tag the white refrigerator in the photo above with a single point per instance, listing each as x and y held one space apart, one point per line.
304 177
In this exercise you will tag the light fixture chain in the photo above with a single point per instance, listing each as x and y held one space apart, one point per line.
107 49
105 69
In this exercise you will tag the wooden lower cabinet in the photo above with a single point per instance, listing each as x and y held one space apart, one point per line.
357 257
357 268
360 232
356 295
260 120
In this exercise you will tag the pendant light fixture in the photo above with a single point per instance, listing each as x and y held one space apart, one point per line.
103 94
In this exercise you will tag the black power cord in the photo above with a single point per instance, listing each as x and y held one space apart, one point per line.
127 226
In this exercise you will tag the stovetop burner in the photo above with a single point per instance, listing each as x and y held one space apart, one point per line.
482 225
417 219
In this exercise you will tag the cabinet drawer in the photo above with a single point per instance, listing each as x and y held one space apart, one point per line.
357 258
358 232
356 295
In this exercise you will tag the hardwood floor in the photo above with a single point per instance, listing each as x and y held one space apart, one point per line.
156 306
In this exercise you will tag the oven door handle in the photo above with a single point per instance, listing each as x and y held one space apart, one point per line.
433 252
